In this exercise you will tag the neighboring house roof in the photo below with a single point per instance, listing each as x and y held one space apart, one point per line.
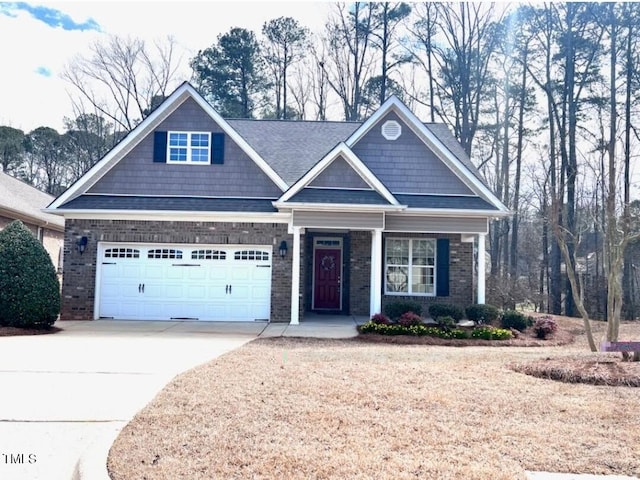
21 201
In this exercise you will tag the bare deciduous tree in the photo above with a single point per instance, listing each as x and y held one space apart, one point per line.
121 77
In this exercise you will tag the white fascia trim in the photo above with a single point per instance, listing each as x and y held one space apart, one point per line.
394 104
175 216
134 137
361 169
338 207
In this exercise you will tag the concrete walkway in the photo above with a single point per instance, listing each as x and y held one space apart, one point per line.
66 395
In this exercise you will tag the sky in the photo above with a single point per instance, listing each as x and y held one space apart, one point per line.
39 38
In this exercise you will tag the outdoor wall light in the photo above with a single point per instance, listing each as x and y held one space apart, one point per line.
283 249
81 244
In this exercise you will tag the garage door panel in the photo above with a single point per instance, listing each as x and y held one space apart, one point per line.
218 272
175 273
196 292
191 286
261 273
241 273
194 273
155 272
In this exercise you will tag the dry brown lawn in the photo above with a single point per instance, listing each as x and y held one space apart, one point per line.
288 408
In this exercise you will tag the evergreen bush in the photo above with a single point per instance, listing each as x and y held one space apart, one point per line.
514 319
446 310
483 314
30 291
394 310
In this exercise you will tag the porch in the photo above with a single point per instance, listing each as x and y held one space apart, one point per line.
340 275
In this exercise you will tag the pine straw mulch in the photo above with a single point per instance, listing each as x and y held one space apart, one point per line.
289 408
15 331
583 366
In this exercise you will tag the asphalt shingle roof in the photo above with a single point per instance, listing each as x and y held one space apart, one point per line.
291 148
20 197
191 204
323 195
444 202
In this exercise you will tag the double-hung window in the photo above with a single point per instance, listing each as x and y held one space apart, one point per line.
189 147
410 266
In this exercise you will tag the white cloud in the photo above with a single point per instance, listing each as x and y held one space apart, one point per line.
29 100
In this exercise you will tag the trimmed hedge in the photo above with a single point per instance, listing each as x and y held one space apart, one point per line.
483 314
516 320
446 310
30 289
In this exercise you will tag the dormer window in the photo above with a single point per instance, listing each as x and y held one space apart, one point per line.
189 147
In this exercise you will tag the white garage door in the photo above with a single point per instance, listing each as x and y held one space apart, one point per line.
184 282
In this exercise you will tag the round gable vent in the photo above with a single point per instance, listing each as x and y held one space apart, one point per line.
391 130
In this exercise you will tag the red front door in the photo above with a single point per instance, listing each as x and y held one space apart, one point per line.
326 284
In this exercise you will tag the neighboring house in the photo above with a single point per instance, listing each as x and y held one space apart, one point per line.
21 201
193 216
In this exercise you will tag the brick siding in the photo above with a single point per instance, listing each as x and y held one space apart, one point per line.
461 271
78 285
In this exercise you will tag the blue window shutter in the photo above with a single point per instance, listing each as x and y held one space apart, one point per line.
217 148
442 267
160 147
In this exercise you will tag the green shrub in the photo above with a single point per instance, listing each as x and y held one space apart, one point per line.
445 309
446 322
422 330
483 314
408 319
514 319
394 310
28 282
491 333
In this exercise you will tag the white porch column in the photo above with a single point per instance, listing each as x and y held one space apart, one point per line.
295 278
375 293
481 265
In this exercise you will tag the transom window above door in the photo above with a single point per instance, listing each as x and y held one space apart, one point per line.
189 147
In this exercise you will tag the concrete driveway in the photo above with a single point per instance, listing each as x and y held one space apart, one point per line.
63 394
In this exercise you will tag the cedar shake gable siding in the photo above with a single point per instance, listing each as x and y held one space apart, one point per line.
406 165
138 174
339 174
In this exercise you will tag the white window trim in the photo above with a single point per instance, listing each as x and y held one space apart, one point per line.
409 293
189 148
